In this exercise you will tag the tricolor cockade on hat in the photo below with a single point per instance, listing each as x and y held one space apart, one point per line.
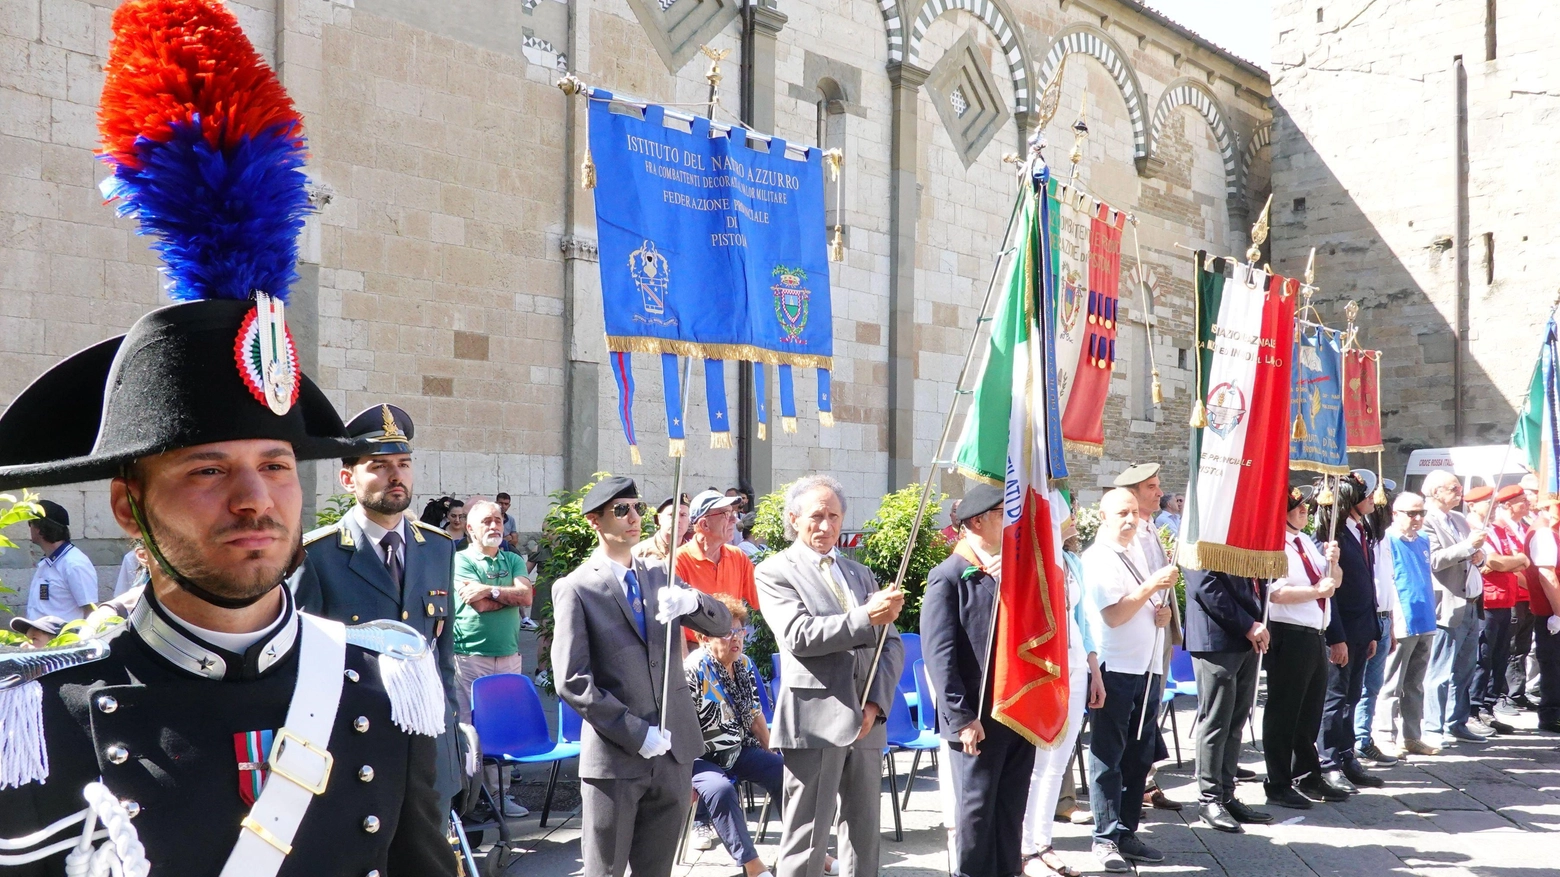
207 153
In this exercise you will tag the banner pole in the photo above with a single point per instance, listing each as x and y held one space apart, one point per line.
713 76
671 554
942 443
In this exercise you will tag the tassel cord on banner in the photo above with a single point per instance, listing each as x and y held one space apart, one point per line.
1148 329
947 430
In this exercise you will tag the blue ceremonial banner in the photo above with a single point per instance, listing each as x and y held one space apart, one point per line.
1318 440
708 247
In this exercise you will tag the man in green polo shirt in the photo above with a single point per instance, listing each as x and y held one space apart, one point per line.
490 587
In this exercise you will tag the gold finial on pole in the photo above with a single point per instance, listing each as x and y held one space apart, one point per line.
712 76
1050 97
1259 233
1080 133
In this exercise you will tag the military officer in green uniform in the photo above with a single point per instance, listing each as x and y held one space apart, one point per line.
379 562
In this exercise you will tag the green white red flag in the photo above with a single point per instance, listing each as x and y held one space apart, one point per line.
1234 517
1012 436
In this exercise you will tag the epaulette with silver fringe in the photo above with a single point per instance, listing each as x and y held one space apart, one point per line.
319 533
23 754
409 672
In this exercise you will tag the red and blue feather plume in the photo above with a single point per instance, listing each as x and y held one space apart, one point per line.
206 147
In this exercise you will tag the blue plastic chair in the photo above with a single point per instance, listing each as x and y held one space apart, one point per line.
912 645
774 663
766 702
905 736
1181 672
512 728
569 723
925 719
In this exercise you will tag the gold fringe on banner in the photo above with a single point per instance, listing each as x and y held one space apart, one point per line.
743 352
720 440
826 418
633 455
1368 449
676 447
788 424
763 432
1308 466
1246 562
1081 447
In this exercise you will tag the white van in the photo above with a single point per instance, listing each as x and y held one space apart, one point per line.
1495 465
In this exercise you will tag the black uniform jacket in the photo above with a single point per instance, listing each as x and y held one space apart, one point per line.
177 722
1220 610
956 618
1354 603
344 580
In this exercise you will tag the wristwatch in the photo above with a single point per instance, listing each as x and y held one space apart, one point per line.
494 591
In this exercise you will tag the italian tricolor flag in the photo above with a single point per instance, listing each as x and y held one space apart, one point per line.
1234 518
1012 436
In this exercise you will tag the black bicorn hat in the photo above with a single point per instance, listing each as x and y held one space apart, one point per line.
175 380
606 490
384 429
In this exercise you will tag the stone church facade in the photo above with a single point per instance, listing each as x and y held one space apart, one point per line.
451 265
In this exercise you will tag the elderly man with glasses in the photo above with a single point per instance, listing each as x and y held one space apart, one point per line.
1456 553
1404 560
709 562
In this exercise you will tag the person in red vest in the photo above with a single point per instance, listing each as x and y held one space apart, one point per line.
1543 548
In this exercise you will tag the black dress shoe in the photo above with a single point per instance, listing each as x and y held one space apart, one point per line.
1288 797
1243 775
1359 777
1551 727
1215 816
1247 815
1499 726
1337 779
1318 789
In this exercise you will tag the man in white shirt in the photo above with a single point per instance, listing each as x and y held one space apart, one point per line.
65 584
1131 599
1297 664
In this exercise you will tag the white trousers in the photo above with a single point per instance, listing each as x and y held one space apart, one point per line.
1045 784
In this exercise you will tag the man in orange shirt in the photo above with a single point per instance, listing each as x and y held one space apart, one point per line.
708 562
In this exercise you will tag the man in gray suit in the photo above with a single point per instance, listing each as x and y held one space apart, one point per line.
1456 553
612 617
378 562
826 613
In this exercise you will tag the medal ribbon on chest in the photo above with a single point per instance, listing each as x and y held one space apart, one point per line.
252 749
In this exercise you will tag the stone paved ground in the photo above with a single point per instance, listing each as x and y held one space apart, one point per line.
1488 811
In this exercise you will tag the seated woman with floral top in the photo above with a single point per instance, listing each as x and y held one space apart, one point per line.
725 683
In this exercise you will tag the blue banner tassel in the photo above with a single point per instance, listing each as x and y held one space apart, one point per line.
715 398
674 408
787 399
825 404
623 371
761 398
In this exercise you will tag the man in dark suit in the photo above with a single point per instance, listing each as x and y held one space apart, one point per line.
1352 632
379 562
612 619
991 762
1225 632
827 614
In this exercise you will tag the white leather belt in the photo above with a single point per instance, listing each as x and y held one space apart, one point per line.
300 761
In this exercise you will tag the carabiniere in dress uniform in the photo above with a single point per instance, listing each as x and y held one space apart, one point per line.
217 730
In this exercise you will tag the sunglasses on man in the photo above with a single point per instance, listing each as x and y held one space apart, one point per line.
620 510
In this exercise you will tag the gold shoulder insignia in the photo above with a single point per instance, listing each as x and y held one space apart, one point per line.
427 528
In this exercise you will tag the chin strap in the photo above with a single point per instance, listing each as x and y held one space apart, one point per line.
179 578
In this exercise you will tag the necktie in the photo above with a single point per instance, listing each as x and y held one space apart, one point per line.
636 602
1310 571
391 543
826 564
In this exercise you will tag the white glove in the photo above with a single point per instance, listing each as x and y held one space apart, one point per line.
1554 625
675 603
657 742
